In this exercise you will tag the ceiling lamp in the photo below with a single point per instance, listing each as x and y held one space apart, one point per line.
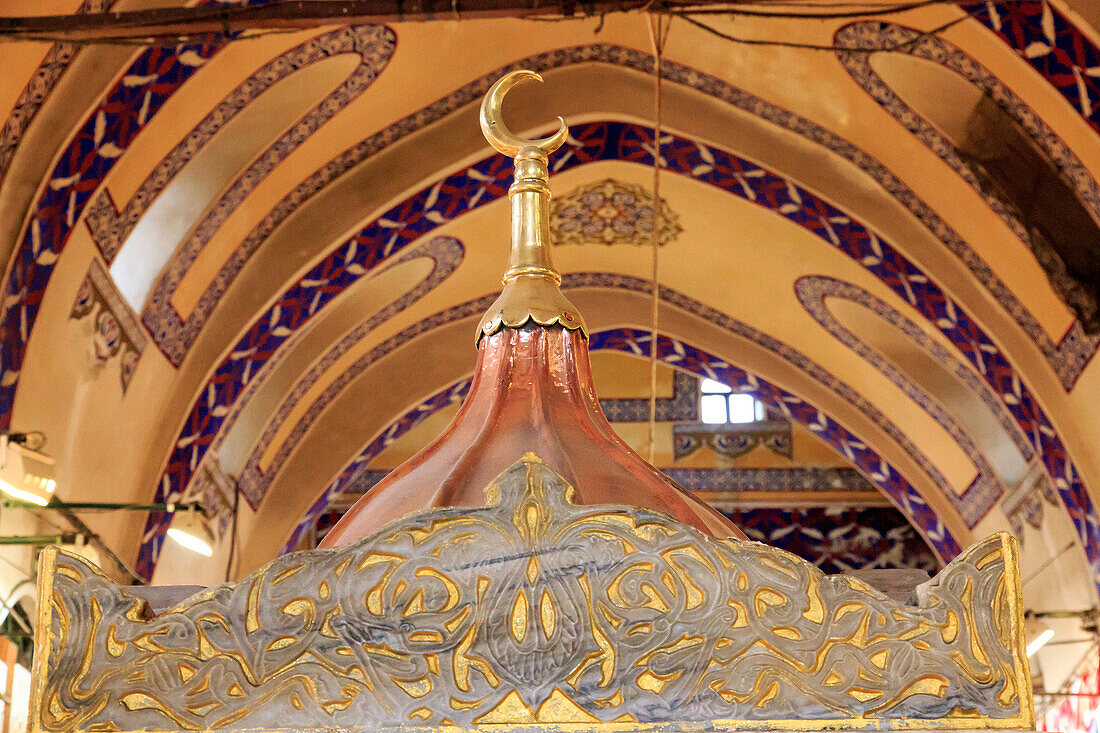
1038 634
189 530
25 474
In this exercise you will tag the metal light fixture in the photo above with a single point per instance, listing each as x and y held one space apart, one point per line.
189 530
1037 633
25 474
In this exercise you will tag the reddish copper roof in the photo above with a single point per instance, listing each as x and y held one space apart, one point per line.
532 389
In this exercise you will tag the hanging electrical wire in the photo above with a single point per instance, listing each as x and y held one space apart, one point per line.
901 46
658 24
221 23
233 533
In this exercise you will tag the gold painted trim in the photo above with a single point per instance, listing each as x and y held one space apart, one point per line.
44 642
1011 550
529 504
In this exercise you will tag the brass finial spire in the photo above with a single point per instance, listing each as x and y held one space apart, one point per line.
531 284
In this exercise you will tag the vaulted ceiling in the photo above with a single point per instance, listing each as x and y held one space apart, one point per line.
260 263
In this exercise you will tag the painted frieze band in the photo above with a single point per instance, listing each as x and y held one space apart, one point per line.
875 34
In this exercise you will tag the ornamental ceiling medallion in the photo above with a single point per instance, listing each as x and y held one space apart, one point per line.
610 212
528 571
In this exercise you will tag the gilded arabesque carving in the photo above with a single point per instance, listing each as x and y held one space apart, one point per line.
532 610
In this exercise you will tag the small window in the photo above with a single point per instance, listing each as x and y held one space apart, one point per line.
719 404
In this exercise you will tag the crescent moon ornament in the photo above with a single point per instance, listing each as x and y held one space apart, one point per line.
532 287
498 134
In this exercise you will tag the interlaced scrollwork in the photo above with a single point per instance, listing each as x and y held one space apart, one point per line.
534 610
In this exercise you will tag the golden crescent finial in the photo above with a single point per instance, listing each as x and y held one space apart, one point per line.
498 134
532 293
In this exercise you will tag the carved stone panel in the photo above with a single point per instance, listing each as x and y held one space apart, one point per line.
115 329
733 440
534 611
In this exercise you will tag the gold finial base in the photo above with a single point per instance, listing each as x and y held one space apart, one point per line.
531 284
530 300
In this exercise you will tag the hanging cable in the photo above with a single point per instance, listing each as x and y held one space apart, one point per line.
810 11
222 23
233 533
658 24
902 46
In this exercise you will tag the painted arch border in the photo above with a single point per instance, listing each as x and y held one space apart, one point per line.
375 46
446 254
1068 51
979 499
896 38
33 262
1071 53
1067 358
414 218
812 292
487 180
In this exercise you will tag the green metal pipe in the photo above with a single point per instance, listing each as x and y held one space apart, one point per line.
40 539
87 505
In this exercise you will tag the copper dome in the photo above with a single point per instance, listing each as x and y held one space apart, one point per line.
532 389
